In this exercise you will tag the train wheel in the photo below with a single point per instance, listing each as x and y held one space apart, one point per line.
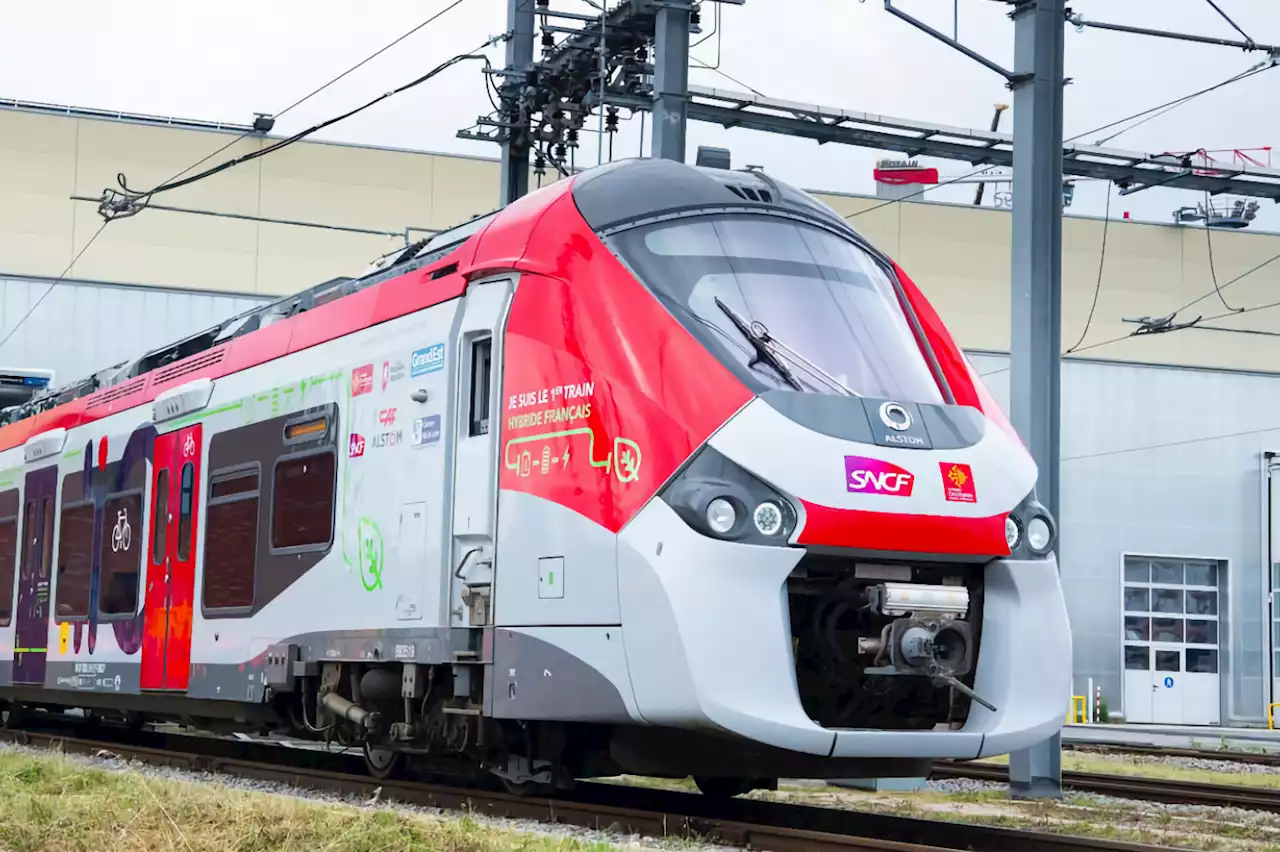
381 762
14 715
527 788
722 788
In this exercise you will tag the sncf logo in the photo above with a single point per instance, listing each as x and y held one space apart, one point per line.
874 476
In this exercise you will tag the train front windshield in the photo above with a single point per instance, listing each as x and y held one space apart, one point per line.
820 294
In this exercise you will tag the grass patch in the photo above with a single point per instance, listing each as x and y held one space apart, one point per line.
51 803
1143 767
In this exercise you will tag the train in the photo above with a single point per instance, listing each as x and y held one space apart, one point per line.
660 470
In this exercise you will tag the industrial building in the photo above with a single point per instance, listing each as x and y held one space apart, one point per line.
1166 438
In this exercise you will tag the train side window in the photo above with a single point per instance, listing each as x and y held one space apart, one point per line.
46 558
231 540
481 372
160 517
302 500
75 560
8 564
120 557
184 511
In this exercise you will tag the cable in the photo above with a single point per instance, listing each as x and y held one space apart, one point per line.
717 32
1102 258
1213 272
55 283
1226 18
121 180
1183 443
1219 290
127 202
1168 106
723 74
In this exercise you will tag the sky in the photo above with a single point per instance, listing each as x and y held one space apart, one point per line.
226 61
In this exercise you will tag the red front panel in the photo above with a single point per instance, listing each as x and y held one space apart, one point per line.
166 639
604 393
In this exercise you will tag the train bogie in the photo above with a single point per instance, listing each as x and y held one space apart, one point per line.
659 470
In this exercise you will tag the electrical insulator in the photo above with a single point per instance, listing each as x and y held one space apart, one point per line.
548 40
695 17
573 136
559 150
611 120
642 54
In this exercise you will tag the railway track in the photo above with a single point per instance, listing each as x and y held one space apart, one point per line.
1225 755
743 823
1130 787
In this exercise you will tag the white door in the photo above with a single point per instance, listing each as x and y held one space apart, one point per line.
477 380
1171 641
1167 688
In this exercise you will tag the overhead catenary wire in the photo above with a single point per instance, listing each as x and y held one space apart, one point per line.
1213 270
54 283
1233 24
1102 259
106 220
300 101
127 202
1167 106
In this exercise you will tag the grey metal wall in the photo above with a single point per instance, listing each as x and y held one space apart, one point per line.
81 327
1162 462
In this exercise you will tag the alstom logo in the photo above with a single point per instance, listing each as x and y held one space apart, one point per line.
874 476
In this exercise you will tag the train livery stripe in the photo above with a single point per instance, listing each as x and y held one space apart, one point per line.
891 531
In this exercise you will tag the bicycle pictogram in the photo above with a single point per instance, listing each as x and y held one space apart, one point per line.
189 446
122 533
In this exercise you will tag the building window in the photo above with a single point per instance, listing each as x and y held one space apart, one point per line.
302 501
75 560
185 509
481 354
121 554
160 517
1171 602
231 540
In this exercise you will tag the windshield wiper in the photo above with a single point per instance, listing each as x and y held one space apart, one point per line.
764 342
764 352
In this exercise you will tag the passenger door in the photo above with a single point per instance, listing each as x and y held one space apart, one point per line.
477 385
170 596
32 634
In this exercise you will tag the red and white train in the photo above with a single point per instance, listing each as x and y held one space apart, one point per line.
661 470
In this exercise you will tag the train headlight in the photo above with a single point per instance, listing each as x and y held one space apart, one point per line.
1030 530
721 516
719 498
768 518
1039 534
1011 532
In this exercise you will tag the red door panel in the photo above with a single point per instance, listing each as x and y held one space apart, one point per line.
155 614
166 641
182 559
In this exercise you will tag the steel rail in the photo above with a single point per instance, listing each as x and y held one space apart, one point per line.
1223 755
1132 787
744 823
